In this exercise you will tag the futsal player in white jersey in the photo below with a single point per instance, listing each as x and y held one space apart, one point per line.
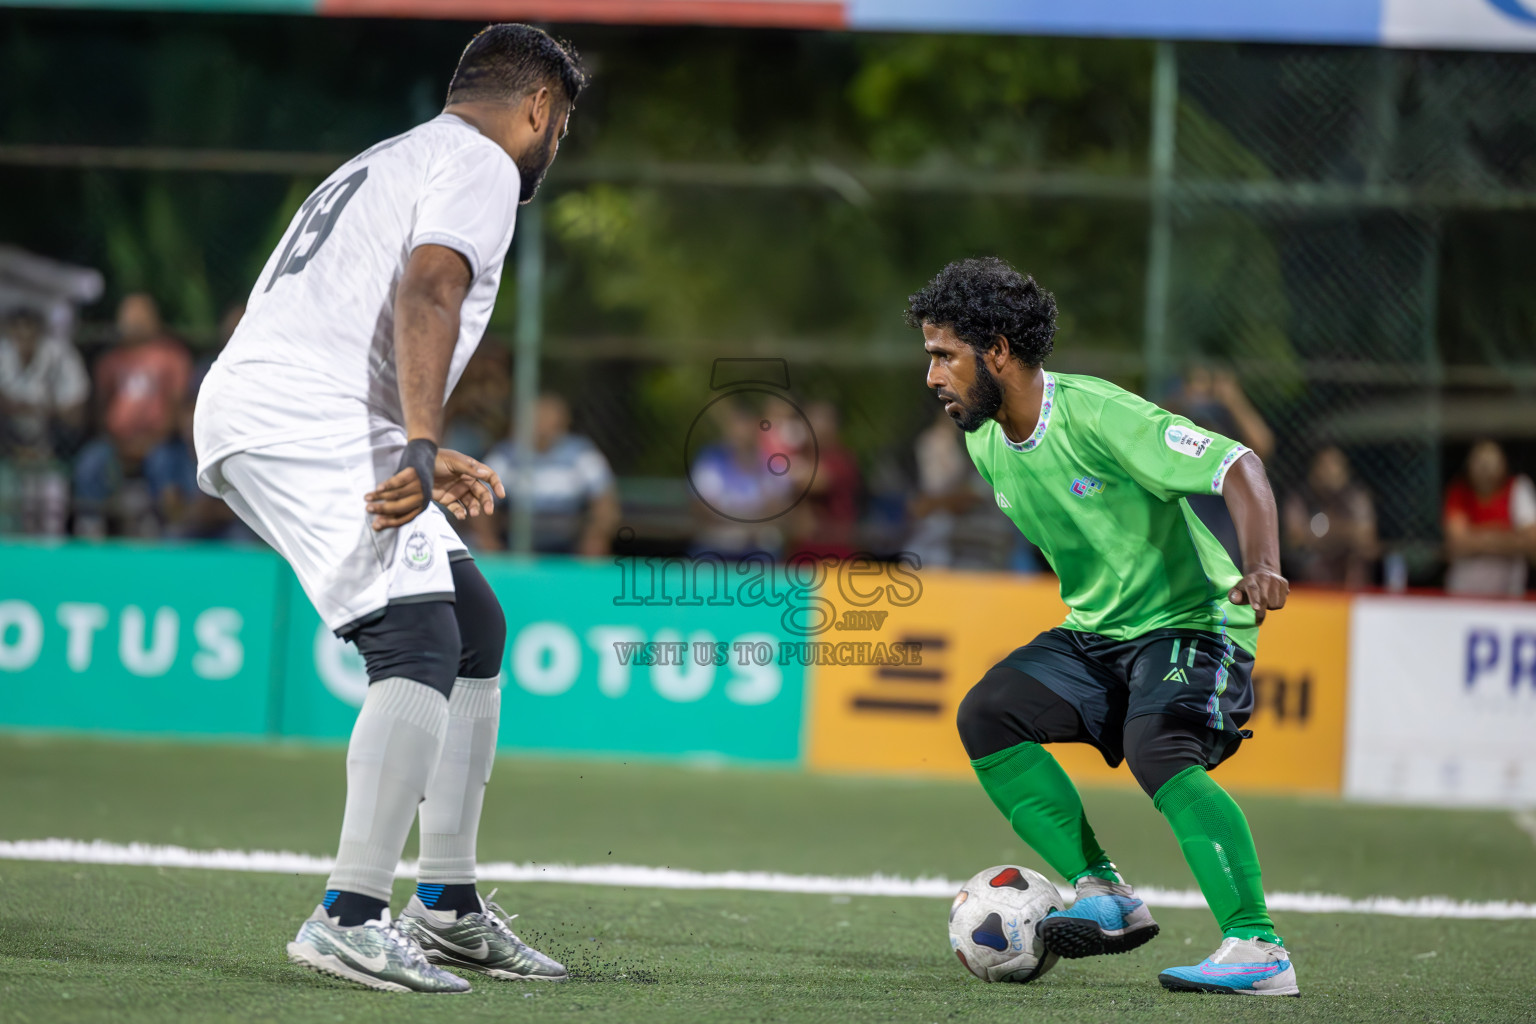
319 425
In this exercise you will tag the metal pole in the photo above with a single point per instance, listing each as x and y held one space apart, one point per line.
530 328
1165 105
1434 420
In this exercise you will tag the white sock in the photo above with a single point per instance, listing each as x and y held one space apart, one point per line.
450 815
395 745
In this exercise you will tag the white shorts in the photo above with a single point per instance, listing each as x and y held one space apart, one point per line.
305 498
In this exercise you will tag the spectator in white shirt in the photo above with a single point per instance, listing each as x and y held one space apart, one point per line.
43 388
575 500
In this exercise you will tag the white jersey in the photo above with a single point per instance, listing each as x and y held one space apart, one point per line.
314 356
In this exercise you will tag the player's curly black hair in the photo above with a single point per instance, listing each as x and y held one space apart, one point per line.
510 61
982 298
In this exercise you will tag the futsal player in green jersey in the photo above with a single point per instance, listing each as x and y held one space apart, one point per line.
1154 663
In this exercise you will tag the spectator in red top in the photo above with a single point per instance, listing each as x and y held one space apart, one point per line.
826 520
141 384
1490 526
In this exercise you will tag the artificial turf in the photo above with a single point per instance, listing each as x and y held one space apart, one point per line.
81 942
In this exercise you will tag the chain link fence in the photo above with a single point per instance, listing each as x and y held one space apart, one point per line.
1345 230
1328 208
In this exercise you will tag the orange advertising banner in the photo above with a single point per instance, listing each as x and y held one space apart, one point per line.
900 719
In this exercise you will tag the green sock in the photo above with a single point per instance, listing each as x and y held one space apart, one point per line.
1214 836
1040 802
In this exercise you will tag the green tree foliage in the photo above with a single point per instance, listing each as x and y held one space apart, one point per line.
703 266
1003 102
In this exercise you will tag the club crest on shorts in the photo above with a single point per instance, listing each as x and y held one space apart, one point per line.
1186 441
418 551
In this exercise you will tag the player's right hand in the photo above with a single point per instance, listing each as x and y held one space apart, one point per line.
1266 591
404 496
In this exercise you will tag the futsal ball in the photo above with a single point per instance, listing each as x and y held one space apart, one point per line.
992 924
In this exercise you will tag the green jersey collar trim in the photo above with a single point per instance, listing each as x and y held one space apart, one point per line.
1047 402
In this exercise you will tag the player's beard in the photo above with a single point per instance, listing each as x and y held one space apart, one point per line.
532 164
981 401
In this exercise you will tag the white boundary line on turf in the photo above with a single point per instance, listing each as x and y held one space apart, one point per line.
74 851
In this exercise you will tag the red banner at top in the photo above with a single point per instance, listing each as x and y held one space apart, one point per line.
803 14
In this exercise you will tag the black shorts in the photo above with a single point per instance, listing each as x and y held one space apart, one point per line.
1199 677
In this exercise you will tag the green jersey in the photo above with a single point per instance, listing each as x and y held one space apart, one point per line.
1099 488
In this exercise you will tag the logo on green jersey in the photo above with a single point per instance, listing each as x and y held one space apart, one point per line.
1087 486
1186 441
1002 502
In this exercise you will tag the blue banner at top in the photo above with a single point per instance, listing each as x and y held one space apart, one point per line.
1440 24
1319 21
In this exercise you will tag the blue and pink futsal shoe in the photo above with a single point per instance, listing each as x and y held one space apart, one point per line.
1106 917
1248 967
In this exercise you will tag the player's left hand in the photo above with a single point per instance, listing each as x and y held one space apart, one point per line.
464 486
1266 591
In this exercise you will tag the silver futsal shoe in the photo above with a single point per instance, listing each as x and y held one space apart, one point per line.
477 942
373 954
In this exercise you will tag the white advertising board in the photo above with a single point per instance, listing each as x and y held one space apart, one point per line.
1442 702
1460 24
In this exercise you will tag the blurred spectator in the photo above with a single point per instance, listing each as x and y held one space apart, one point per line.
956 519
825 521
1330 525
170 469
1213 399
575 502
1490 526
831 504
228 323
43 388
477 410
111 496
943 491
141 385
741 496
180 506
886 500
